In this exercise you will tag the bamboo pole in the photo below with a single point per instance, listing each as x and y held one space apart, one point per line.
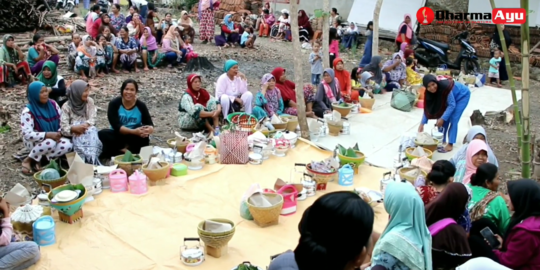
517 113
298 71
326 34
525 102
375 42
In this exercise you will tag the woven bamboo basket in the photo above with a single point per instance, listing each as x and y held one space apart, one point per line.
242 121
155 175
48 184
292 122
216 240
403 173
334 130
280 126
319 177
23 227
266 216
367 103
180 147
431 147
410 156
344 111
129 167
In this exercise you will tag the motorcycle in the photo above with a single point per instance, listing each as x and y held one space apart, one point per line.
67 5
105 5
433 54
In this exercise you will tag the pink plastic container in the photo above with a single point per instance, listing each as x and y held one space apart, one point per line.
420 104
290 196
118 181
137 183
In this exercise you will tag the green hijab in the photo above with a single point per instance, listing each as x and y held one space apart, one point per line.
53 79
9 53
406 236
229 64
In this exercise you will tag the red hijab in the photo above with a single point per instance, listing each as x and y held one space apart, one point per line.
343 76
286 88
199 97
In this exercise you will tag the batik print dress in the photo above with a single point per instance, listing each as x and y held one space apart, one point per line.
268 104
34 140
189 112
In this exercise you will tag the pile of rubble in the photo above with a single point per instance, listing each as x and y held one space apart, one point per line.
236 7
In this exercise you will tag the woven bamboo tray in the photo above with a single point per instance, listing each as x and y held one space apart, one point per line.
431 147
410 156
403 173
266 216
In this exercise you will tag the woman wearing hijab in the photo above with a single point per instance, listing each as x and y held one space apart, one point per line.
496 44
368 84
130 123
104 20
13 68
445 100
287 91
229 33
350 36
450 247
486 201
198 109
375 67
305 26
78 121
86 57
328 93
406 241
405 32
349 217
268 101
519 248
56 85
150 52
232 90
476 155
395 72
344 82
40 126
186 25
127 51
172 46
206 19
366 57
267 20
475 133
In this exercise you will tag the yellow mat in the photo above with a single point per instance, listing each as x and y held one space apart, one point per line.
125 231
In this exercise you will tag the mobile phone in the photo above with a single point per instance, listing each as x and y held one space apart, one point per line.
490 237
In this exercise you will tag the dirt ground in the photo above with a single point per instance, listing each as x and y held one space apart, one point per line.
161 90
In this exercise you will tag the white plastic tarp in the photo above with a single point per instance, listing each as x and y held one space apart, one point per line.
391 16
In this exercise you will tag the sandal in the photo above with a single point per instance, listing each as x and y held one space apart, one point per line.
26 171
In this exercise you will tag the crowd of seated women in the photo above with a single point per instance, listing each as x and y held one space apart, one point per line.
441 224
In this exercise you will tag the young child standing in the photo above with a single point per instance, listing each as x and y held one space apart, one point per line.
494 67
315 59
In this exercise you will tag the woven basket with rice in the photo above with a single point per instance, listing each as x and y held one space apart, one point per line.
180 146
213 239
427 141
266 216
367 103
411 173
129 166
415 152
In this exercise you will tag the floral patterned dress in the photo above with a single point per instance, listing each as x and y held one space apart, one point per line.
268 104
87 146
117 21
189 112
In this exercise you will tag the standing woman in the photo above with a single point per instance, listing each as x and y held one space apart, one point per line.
13 68
366 58
496 44
56 85
78 121
118 20
405 32
131 123
206 21
305 26
198 109
39 53
445 101
40 126
127 51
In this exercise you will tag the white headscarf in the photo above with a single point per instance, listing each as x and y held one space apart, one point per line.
481 263
462 152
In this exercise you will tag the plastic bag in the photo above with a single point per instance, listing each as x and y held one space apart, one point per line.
244 210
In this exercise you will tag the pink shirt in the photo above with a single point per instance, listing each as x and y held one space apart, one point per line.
334 48
232 88
7 231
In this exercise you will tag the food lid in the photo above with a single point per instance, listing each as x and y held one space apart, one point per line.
192 253
180 167
66 196
255 156
290 135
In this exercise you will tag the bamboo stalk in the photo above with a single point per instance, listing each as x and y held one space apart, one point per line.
325 33
375 42
517 113
525 101
298 72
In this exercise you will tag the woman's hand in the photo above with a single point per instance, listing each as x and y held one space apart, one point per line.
79 129
499 238
440 122
421 128
55 136
242 76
